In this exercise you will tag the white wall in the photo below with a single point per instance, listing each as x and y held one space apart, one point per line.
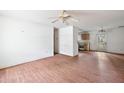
68 41
115 42
22 41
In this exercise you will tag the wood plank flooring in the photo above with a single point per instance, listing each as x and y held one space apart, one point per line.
86 67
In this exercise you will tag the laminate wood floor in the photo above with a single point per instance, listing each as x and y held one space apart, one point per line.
86 67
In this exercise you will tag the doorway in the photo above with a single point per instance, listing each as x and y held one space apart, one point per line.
84 41
56 40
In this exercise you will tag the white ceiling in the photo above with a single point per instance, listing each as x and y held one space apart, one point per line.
88 19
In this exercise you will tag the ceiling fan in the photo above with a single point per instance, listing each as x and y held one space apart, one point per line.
63 17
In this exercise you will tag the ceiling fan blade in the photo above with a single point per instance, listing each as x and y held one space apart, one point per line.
55 21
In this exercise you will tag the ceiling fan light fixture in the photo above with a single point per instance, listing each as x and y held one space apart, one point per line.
64 17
